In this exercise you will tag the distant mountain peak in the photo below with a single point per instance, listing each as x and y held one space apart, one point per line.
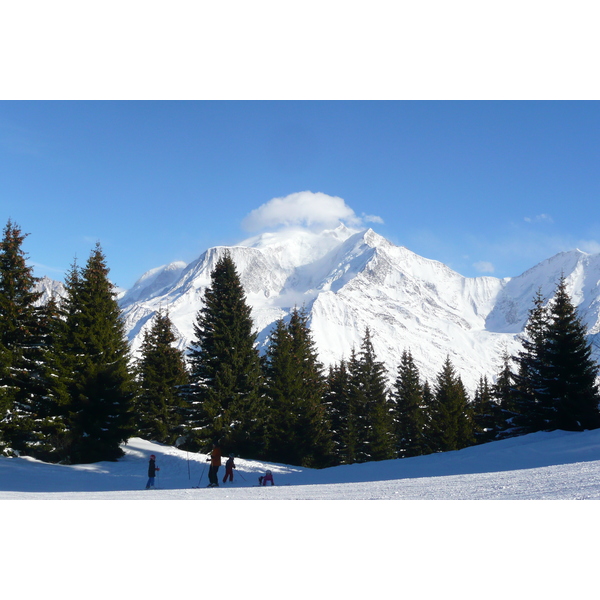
352 279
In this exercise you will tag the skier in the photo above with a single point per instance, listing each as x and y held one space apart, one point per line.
215 463
152 468
262 480
229 466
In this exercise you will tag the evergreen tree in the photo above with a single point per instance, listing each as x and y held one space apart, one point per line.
484 412
337 402
225 372
430 442
48 433
570 373
314 422
531 401
409 413
298 429
369 396
96 356
161 372
503 392
282 386
22 345
453 419
4 395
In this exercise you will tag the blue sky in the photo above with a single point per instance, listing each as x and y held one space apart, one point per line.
487 187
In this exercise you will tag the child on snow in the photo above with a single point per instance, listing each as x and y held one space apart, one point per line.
229 466
152 468
262 480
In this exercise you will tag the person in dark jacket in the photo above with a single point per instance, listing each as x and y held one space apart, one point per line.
152 469
215 463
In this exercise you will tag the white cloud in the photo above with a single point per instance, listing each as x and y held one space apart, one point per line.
304 209
484 267
372 219
543 218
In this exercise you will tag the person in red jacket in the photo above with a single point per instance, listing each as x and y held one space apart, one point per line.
262 480
229 466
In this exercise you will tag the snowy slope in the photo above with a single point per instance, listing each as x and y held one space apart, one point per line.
556 465
349 279
336 546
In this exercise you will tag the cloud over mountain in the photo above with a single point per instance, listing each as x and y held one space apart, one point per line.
312 210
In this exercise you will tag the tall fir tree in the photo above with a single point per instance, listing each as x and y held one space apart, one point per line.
485 412
224 394
430 442
570 374
452 413
531 402
49 432
298 430
369 395
409 411
503 392
96 356
161 373
337 400
24 380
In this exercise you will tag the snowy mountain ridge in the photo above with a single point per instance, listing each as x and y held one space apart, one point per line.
349 280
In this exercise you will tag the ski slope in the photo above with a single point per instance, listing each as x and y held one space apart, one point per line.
543 466
321 548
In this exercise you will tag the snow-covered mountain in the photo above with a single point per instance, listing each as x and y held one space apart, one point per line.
49 288
349 280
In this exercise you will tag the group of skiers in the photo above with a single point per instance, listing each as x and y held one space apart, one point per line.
215 463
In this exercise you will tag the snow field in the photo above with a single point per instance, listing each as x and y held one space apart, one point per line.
335 544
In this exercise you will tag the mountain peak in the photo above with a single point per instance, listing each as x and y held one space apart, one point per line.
352 279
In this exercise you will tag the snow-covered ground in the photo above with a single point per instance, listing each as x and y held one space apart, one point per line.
356 549
542 466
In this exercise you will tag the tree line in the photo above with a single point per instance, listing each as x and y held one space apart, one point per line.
71 392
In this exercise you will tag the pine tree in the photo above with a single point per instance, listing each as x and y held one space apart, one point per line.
409 414
22 343
570 373
48 433
161 373
484 412
337 402
96 356
430 442
314 423
225 371
369 395
453 420
298 430
531 401
503 392
4 393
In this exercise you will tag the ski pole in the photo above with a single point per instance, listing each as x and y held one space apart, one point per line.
241 475
202 474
